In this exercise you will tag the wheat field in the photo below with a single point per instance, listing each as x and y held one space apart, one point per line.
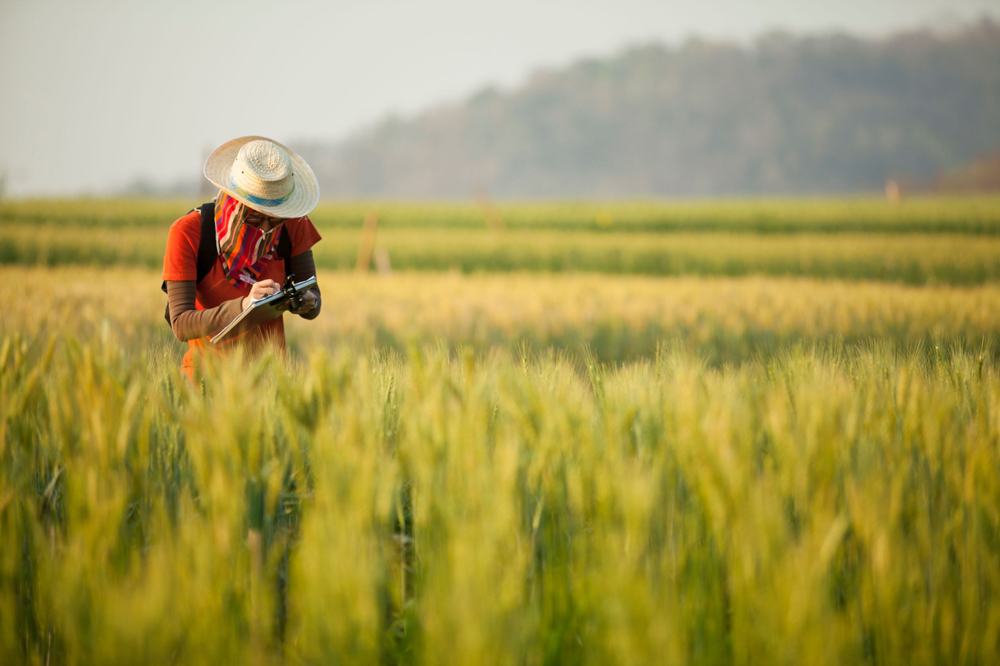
514 465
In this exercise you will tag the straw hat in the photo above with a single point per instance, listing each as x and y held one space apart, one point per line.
264 175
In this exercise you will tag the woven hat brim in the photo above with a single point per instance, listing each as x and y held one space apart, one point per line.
304 196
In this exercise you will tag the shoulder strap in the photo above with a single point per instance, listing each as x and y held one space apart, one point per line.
208 251
285 247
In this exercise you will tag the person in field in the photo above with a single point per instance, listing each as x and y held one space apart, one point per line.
261 233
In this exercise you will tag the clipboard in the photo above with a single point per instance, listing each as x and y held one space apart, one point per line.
263 310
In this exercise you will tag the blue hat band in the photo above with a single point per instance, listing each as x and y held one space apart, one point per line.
260 201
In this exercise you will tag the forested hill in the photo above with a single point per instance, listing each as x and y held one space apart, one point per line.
823 114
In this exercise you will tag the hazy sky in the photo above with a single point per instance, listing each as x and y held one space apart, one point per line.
95 93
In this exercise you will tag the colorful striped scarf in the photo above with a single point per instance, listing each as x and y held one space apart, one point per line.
245 250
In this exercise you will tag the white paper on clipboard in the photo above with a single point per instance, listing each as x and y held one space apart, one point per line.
259 312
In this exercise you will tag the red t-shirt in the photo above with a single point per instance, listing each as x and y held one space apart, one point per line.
180 262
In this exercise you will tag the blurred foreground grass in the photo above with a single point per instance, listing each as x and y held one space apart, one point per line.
836 506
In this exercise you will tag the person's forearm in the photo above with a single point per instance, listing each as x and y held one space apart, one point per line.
303 267
188 323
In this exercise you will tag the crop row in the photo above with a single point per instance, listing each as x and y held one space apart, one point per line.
979 216
617 317
909 258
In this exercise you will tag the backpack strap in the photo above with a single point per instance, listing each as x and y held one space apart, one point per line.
208 250
285 248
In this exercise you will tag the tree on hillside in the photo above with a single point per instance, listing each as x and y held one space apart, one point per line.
787 115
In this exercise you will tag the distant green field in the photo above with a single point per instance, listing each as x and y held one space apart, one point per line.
931 241
979 215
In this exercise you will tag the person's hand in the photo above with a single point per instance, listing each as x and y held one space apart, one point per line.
260 290
308 303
